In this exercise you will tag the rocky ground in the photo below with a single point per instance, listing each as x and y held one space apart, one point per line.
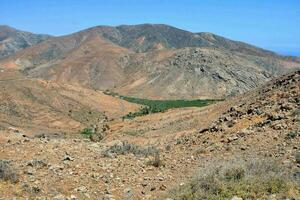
145 157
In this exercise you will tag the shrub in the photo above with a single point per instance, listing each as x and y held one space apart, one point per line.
7 173
235 173
297 157
292 135
248 179
156 161
96 137
126 148
86 132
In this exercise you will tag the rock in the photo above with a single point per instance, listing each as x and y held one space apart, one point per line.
108 197
243 148
275 117
30 172
203 130
40 135
35 189
286 107
81 189
231 123
36 163
59 197
243 133
163 187
96 137
258 111
144 184
68 158
56 167
213 128
128 194
236 198
232 138
272 197
73 197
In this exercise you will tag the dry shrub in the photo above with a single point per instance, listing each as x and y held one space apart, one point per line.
126 148
7 173
246 178
156 161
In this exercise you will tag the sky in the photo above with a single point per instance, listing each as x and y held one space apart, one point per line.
270 24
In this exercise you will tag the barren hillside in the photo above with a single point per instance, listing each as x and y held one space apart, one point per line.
42 107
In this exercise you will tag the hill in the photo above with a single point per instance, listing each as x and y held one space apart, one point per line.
44 107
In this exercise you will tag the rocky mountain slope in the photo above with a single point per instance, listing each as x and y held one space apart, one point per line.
44 107
263 123
13 40
154 61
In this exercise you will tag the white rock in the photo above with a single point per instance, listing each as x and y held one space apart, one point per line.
236 198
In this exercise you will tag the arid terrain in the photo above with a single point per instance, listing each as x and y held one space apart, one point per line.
62 136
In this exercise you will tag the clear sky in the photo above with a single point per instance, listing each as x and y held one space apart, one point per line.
271 24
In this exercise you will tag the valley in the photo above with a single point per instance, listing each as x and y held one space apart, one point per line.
146 111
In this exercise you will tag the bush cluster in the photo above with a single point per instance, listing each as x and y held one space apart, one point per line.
7 173
126 148
247 179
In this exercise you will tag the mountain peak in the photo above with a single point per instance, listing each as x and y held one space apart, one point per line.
12 40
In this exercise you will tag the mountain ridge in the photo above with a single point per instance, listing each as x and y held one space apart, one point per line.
141 60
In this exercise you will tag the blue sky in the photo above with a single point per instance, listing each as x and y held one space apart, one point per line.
271 24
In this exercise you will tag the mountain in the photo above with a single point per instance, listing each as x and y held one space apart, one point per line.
151 61
13 40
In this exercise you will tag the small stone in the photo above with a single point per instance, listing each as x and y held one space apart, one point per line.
128 194
236 198
243 148
59 197
68 158
109 197
232 138
81 189
272 197
144 184
163 187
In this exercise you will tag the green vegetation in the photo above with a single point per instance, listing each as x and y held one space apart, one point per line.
155 106
247 179
86 132
292 135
